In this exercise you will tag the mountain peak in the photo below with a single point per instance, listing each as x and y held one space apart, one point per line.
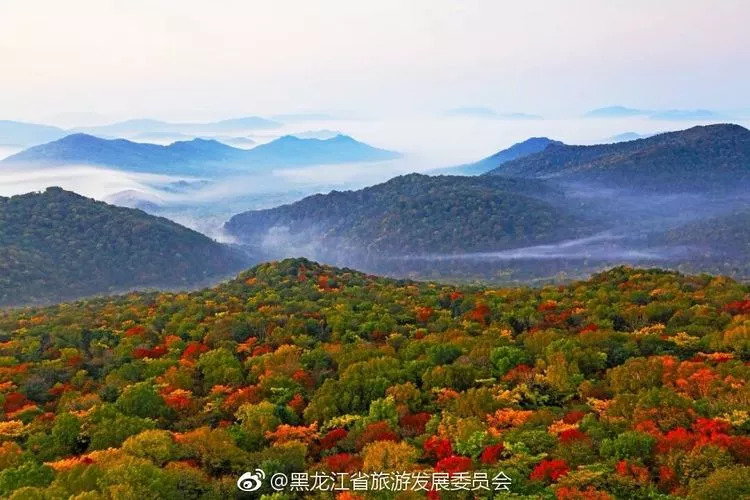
80 137
200 143
718 128
517 150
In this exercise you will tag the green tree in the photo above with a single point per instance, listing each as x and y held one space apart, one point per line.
65 433
142 400
220 367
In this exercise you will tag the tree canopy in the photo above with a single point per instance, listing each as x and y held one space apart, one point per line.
632 384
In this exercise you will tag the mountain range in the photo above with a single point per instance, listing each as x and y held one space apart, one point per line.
144 125
564 209
57 245
198 156
22 134
675 199
697 159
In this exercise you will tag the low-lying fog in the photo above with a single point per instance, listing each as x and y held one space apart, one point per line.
601 246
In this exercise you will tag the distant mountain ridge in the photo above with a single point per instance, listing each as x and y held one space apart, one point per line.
13 133
699 158
169 137
663 114
615 112
58 245
147 125
518 150
179 157
489 113
317 134
197 156
23 134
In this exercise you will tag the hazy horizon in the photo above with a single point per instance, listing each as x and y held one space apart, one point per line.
85 61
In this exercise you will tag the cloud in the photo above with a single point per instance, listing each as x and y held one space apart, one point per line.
602 246
86 180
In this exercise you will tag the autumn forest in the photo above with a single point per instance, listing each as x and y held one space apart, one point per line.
374 250
632 384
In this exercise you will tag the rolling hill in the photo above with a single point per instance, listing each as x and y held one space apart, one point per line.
410 214
197 156
58 245
697 159
518 150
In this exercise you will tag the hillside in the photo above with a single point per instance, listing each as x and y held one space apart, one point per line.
197 156
728 233
518 150
719 244
410 214
633 385
59 245
696 159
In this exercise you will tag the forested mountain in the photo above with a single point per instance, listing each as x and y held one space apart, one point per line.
196 157
518 150
631 385
697 159
411 214
58 245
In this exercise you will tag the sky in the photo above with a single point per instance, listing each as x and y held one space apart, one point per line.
95 60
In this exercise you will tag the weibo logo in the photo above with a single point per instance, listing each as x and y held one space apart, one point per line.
251 481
